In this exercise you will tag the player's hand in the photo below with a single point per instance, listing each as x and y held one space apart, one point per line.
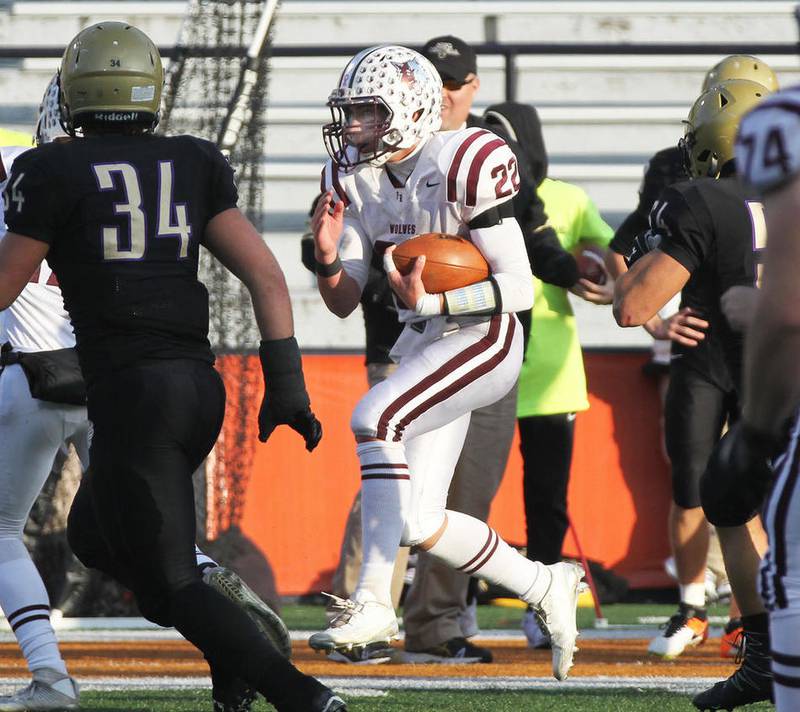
326 226
741 459
684 327
409 287
286 400
739 306
592 292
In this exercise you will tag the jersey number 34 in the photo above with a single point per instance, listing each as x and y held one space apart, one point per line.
171 220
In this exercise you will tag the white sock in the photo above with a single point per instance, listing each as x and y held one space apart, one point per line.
693 594
385 488
472 546
24 600
784 633
203 560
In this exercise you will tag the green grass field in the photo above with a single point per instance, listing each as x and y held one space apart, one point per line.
408 701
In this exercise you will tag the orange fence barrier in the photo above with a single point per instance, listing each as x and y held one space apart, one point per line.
297 502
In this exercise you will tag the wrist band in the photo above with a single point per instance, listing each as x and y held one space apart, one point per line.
329 270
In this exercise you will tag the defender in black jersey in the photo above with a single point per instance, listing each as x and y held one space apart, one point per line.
120 215
703 239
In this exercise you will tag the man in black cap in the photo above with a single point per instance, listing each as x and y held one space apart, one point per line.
455 61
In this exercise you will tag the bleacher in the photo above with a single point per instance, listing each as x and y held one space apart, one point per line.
603 115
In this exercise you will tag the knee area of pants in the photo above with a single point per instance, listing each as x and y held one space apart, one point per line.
416 534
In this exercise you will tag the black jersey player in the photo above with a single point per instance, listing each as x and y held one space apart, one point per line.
120 215
704 238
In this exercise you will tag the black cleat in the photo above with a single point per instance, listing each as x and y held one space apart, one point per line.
229 584
236 696
752 682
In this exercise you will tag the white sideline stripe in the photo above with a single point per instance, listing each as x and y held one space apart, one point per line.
370 686
660 620
73 634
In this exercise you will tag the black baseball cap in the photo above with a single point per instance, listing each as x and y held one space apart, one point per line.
453 58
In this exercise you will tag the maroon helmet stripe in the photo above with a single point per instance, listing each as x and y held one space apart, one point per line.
475 170
448 367
455 164
457 385
385 476
479 555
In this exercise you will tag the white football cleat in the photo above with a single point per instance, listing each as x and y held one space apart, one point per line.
49 691
358 623
557 612
538 639
685 629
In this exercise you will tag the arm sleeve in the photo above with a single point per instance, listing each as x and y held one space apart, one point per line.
28 198
504 250
223 188
682 236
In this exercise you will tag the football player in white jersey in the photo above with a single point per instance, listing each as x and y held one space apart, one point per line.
392 176
32 432
768 153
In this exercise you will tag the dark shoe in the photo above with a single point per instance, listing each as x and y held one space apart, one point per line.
310 696
752 682
454 651
229 584
236 696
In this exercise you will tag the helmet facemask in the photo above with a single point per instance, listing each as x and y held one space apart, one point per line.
360 131
49 125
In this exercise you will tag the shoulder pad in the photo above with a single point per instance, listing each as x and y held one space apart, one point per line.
480 169
768 143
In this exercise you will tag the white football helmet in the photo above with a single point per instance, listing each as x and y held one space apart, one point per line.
49 127
389 98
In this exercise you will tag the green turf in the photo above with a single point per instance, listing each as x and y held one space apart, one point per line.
555 701
302 617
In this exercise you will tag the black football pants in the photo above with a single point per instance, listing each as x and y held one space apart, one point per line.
695 411
546 445
134 517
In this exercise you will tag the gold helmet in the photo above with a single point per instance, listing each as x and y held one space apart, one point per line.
110 74
741 66
712 124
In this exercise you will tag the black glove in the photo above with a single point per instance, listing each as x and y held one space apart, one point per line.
738 476
285 398
642 244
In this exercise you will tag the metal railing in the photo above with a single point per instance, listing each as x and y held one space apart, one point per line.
509 52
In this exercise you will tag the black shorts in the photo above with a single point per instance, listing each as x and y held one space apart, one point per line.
695 412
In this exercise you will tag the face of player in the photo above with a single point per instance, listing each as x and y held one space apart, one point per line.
364 125
457 101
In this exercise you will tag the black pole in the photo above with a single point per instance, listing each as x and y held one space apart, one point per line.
511 75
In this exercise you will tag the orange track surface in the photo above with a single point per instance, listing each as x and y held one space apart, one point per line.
178 658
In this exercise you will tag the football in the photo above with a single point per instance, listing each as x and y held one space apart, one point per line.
451 261
590 263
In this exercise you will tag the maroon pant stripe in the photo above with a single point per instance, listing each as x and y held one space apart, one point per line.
448 367
457 385
475 170
455 164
